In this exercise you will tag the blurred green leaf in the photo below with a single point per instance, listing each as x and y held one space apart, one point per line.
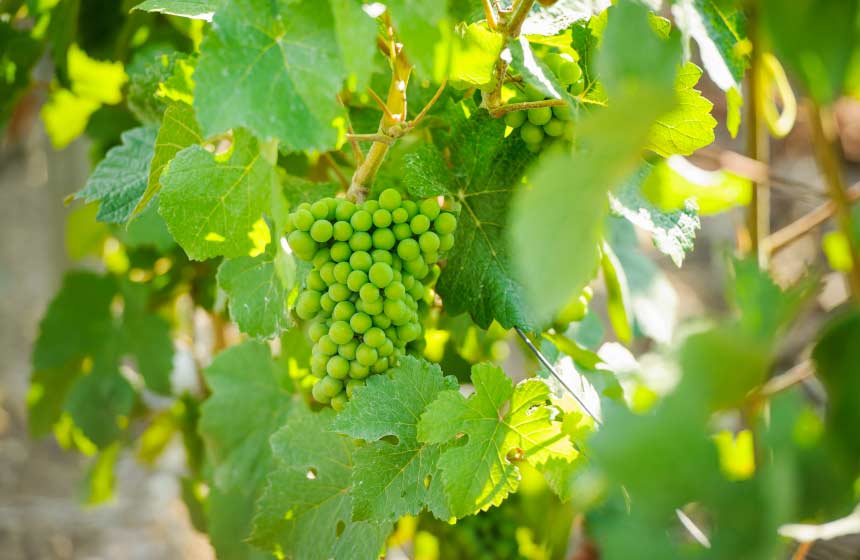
674 181
258 296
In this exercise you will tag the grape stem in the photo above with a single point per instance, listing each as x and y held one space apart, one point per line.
526 105
510 26
383 138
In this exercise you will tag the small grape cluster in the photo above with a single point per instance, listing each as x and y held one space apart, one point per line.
541 125
373 264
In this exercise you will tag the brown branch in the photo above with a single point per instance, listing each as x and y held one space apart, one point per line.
380 103
802 550
798 374
757 146
803 225
490 14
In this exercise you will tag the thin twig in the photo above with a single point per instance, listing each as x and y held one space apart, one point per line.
558 378
526 105
781 238
357 154
381 103
798 374
693 529
802 550
429 105
334 167
385 139
490 14
515 23
757 146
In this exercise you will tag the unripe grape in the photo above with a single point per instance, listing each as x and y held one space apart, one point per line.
429 207
396 310
515 119
361 220
340 332
539 116
316 331
395 290
562 112
390 199
341 231
532 93
338 367
387 348
419 224
408 249
381 320
342 311
348 350
338 402
383 256
429 242
303 220
365 355
318 392
327 304
399 216
340 251
578 86
308 304
302 245
327 273
360 260
318 364
374 337
446 241
384 239
554 127
357 370
339 292
369 293
356 279
411 208
360 323
330 386
352 385
531 134
315 282
321 231
382 218
373 308
553 60
322 256
381 275
401 231
568 72
380 366
360 241
445 223
371 206
408 332
341 272
326 345
320 209
344 210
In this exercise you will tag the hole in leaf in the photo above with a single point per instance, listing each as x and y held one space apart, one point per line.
427 480
312 474
340 528
393 440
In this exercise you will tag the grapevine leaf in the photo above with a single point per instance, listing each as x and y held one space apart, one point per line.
356 36
673 182
419 26
554 19
195 9
306 508
392 480
247 405
120 179
719 32
473 54
211 203
179 130
690 125
101 401
426 172
258 297
562 213
534 70
146 336
229 515
478 277
260 51
298 190
481 472
672 232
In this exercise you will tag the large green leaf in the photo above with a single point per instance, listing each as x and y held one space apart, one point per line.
258 296
395 479
554 19
196 9
419 27
211 202
690 125
119 181
274 68
146 336
478 277
306 508
246 407
503 425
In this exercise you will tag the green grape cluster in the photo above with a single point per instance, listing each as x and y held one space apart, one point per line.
373 264
542 125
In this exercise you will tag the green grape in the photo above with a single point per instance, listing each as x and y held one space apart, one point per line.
569 129
341 271
395 290
361 220
327 304
344 210
320 209
446 242
408 280
430 258
381 320
383 256
356 279
534 148
532 93
416 267
360 260
369 293
381 365
515 119
303 220
321 231
374 337
348 350
562 112
371 206
365 355
539 116
411 208
338 367
577 87
568 72
531 134
318 393
399 215
417 290
553 60
408 249
327 273
326 345
352 385
357 370
341 231
338 402
308 304
401 231
318 363
340 251
390 199
419 224
339 292
302 244
322 256
554 127
396 263
340 332
360 323
361 241
429 207
382 218
384 239
374 307
396 310
316 331
381 275
332 204
408 332
342 311
330 386
429 242
315 282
